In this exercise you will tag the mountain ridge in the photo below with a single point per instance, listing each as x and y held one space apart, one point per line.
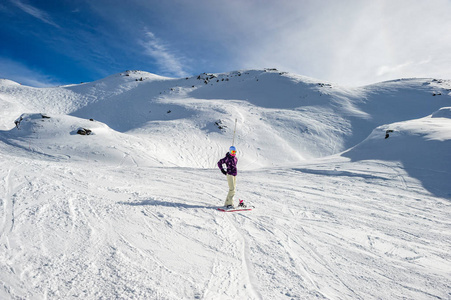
303 118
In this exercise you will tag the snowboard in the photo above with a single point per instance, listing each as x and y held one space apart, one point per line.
238 208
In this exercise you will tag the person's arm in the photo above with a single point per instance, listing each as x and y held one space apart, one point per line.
220 163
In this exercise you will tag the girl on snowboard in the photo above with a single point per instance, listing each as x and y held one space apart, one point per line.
230 161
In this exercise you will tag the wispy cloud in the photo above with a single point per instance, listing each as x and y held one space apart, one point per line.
168 62
403 67
35 12
22 74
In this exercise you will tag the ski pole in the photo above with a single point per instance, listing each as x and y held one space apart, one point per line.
234 130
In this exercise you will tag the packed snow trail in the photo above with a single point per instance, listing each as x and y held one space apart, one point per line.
351 231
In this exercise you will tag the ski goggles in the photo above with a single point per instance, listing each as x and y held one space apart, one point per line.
233 152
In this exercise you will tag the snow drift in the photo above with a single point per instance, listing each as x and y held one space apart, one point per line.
58 137
422 146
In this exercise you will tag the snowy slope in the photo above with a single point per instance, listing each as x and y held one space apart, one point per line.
55 136
421 146
282 118
128 212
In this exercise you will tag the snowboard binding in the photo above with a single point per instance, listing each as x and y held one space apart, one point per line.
241 204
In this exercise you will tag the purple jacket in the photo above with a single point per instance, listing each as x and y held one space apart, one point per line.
230 161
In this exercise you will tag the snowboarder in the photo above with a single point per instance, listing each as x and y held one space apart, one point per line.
230 161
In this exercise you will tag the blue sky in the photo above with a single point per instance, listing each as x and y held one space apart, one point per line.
349 42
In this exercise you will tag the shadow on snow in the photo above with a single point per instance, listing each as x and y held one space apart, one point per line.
153 202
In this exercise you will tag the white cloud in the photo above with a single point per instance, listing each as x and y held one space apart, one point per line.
35 12
22 74
350 42
168 62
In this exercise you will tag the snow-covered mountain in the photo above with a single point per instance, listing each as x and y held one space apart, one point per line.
351 187
282 118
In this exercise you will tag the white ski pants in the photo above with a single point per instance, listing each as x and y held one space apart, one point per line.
231 180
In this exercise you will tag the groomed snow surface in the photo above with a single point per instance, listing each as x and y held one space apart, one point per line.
351 188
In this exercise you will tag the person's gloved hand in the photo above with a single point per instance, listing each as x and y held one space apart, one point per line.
223 171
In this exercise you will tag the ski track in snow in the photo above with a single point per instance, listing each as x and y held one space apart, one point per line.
354 232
